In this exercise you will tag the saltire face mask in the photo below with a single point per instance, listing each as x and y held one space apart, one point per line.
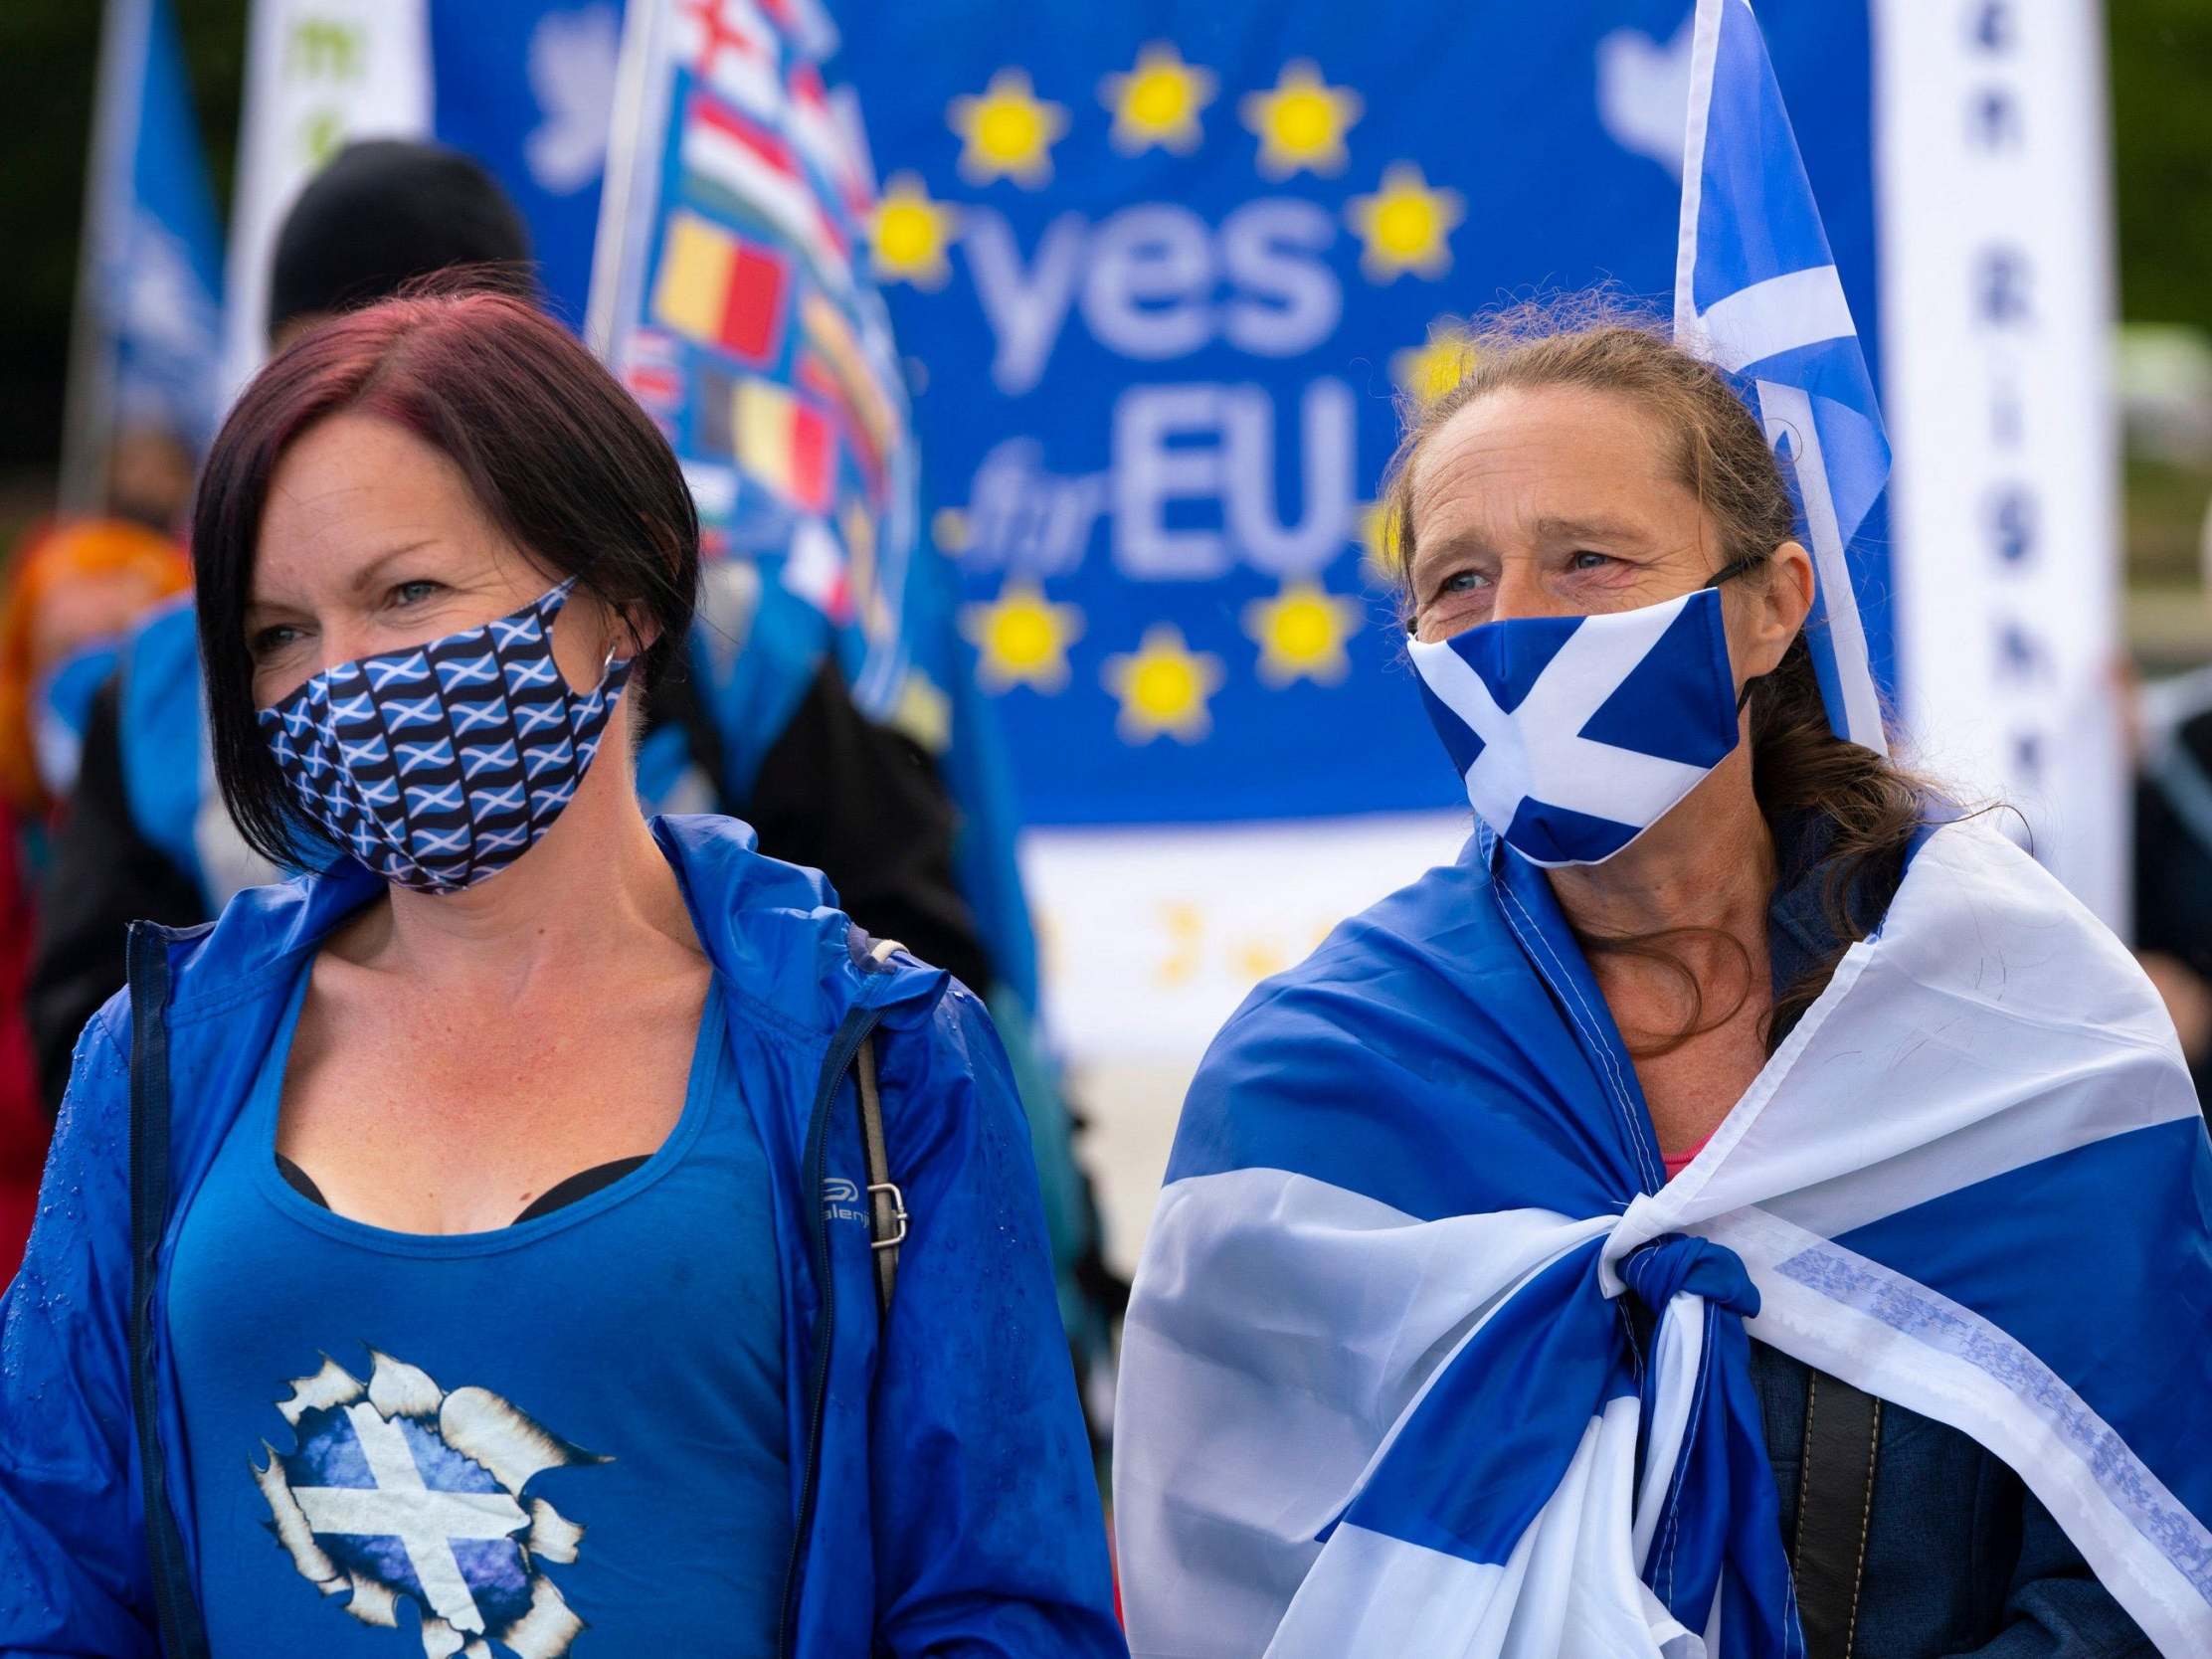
439 765
1575 734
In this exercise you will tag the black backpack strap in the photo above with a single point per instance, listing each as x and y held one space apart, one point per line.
888 1218
1835 1505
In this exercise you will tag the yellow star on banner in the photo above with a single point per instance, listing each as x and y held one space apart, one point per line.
910 234
1379 535
1300 123
1022 638
1426 372
1007 132
1406 224
1162 686
1259 959
1158 101
1301 634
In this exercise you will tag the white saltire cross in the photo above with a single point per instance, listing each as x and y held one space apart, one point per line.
401 1506
1539 752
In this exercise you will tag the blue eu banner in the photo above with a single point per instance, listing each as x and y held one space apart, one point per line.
525 87
1163 276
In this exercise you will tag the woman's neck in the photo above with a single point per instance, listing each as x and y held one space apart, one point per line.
1709 863
593 894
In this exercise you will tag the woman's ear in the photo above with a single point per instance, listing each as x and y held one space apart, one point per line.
1779 608
635 630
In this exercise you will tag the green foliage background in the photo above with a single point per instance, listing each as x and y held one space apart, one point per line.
49 51
2162 91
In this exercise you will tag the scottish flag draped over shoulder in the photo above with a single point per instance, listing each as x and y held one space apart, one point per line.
1428 1357
1380 1395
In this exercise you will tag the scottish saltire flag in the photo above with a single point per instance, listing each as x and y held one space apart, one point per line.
148 343
1575 734
1429 1355
1757 292
398 1491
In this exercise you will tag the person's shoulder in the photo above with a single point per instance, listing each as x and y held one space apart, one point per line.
1971 892
89 1125
776 935
2180 707
260 929
1409 1015
165 638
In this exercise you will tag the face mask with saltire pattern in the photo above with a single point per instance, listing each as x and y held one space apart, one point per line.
439 765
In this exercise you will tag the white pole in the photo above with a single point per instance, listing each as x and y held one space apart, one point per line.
89 404
626 199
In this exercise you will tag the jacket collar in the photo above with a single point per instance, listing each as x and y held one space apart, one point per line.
771 930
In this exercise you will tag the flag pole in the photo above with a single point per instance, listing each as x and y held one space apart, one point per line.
1705 45
634 127
87 409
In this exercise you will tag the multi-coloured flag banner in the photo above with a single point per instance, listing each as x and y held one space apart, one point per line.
726 297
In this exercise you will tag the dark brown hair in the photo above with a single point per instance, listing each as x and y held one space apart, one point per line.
1871 807
551 446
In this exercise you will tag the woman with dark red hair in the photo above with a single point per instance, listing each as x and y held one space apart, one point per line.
540 1220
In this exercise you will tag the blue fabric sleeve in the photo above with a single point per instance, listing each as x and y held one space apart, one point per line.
988 1530
73 1579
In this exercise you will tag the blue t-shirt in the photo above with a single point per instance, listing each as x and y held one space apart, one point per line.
564 1435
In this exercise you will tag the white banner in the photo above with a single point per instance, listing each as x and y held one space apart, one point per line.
1996 317
1150 938
319 74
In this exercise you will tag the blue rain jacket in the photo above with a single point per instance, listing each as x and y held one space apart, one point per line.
942 1485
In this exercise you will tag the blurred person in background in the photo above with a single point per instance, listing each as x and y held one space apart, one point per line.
70 594
516 1083
149 476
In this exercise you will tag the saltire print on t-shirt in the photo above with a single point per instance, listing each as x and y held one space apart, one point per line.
399 1491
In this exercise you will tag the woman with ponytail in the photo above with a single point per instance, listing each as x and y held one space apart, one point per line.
1741 1207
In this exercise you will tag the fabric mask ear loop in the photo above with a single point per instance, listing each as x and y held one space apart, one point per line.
1728 573
555 602
1735 568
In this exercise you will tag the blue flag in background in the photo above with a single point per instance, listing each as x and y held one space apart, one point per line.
1757 292
151 312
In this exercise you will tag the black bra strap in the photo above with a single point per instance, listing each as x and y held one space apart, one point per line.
580 1186
557 1197
300 1181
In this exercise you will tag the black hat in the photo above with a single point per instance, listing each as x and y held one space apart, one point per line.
383 213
